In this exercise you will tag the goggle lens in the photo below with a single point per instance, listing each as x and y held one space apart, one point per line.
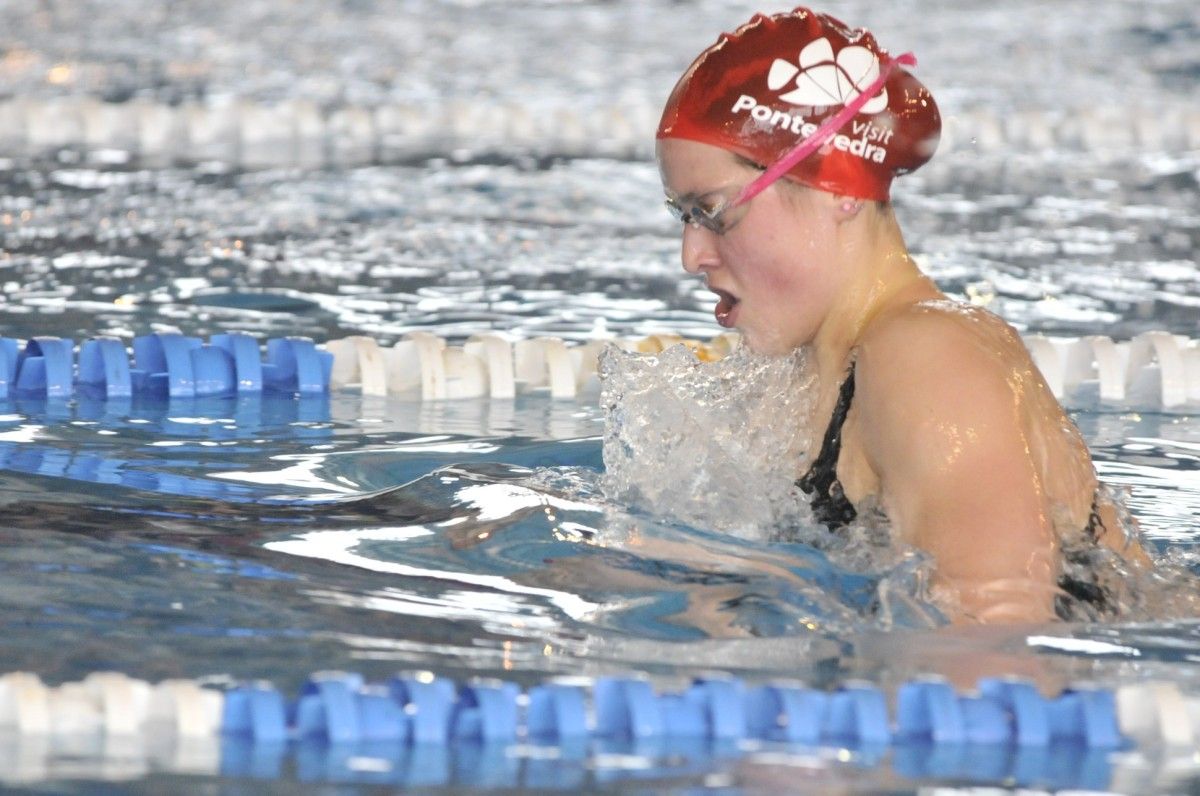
699 216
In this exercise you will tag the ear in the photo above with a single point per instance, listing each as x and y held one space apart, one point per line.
848 207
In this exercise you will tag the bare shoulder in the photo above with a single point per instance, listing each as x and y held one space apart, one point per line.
943 325
943 395
942 382
941 349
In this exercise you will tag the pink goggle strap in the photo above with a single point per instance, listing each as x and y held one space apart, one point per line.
822 133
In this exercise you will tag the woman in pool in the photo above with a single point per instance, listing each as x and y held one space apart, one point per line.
777 149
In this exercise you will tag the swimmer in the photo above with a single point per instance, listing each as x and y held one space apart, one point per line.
777 149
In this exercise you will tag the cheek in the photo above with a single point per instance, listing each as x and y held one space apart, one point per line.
788 277
802 271
761 258
781 260
785 273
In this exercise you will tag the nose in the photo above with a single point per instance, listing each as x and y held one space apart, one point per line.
698 251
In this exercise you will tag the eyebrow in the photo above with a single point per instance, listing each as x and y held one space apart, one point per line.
684 198
693 196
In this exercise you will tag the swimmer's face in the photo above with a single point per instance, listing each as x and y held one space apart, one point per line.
772 267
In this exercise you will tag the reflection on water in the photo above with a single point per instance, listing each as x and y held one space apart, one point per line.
492 551
1157 459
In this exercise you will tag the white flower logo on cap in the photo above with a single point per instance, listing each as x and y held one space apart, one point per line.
822 81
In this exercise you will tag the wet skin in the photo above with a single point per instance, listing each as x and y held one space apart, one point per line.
953 431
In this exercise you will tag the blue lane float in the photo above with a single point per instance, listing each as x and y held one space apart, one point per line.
257 712
46 366
104 368
786 713
294 364
428 702
247 362
343 708
9 351
165 365
557 713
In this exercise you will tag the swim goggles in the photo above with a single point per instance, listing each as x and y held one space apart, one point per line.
714 218
698 215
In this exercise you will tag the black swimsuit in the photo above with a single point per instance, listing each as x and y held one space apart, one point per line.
829 503
831 507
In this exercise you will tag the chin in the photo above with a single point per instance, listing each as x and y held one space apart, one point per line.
769 342
765 344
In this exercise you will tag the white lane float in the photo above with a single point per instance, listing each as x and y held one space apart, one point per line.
1155 369
248 133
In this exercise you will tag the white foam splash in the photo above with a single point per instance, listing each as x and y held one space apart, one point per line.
715 445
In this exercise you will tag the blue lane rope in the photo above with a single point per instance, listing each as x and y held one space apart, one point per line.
341 708
1004 730
415 724
164 365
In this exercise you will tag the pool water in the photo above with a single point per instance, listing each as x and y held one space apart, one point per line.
274 537
283 536
277 537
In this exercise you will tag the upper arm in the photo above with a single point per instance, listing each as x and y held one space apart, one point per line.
943 424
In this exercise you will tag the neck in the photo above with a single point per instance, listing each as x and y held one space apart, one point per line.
880 275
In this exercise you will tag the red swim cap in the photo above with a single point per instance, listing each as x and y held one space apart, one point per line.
769 84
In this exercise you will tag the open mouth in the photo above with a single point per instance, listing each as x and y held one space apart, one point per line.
726 305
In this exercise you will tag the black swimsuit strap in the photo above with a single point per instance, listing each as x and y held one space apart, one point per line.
829 503
1095 523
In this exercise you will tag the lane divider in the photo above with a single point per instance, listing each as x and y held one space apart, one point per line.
1154 370
164 365
246 729
290 133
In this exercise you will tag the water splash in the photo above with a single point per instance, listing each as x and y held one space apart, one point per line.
1135 591
681 432
717 446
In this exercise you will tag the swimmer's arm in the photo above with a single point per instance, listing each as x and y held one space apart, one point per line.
941 426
